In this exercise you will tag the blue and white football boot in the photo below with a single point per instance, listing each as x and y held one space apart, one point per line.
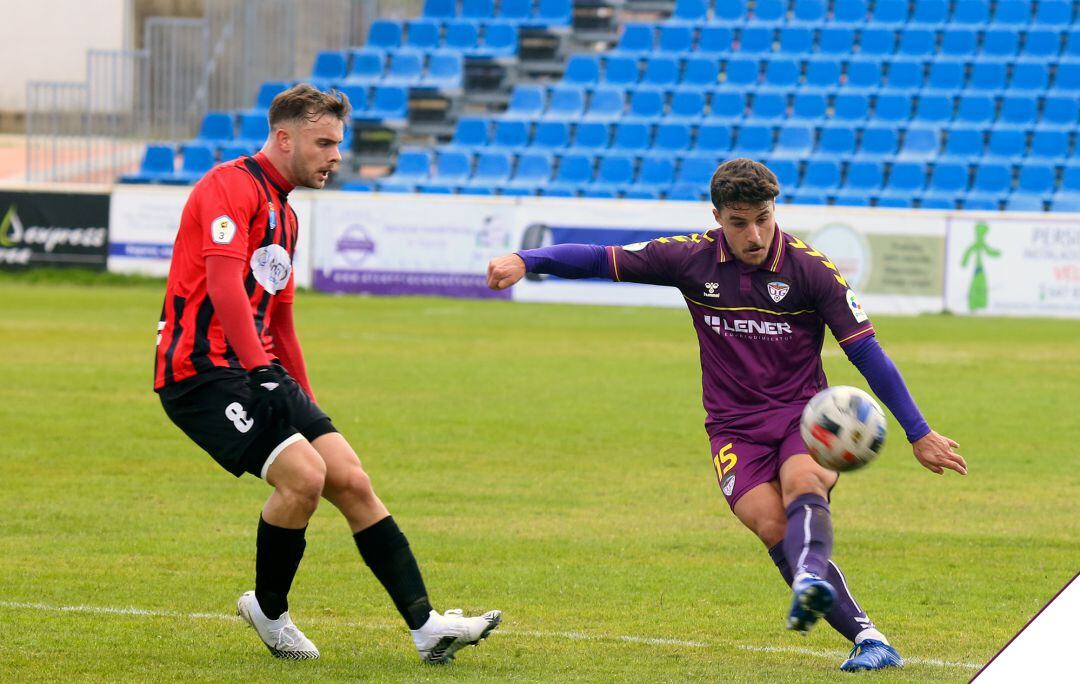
871 654
812 597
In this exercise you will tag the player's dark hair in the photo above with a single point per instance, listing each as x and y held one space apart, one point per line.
743 181
304 102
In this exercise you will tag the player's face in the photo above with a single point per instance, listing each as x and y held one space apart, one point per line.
315 150
748 230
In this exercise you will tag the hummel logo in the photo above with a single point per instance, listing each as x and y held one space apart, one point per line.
711 287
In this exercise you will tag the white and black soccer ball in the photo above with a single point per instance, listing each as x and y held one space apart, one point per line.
843 427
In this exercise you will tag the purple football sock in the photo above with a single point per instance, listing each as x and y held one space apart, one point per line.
847 617
808 540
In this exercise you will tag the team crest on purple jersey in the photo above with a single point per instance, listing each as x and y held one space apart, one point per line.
778 290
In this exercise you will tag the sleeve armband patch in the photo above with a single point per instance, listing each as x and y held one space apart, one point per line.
222 230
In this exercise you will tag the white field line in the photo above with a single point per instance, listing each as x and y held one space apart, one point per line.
573 636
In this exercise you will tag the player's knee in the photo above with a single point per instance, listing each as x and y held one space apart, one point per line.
356 484
806 483
771 531
304 488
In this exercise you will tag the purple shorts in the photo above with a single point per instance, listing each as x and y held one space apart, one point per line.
749 453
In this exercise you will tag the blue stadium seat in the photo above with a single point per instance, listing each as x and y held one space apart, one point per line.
675 39
713 139
836 40
755 39
451 168
671 139
851 107
533 171
471 132
787 173
958 41
864 75
551 135
358 186
992 184
930 13
1068 77
1060 111
754 141
526 102
971 12
877 41
606 104
701 71
661 71
515 12
384 34
906 180
646 104
936 109
1000 43
477 10
389 103
463 36
357 95
574 171
864 180
850 12
440 9
329 69
500 40
889 13
367 67
905 74
823 74
510 135
741 72
1049 145
987 76
945 77
615 172
921 143
975 110
809 107
1012 13
254 129
948 182
687 104
197 159
768 107
917 42
811 12
554 13
892 106
878 142
591 136
582 70
1053 14
727 106
445 71
566 103
632 138
715 41
796 40
820 176
1066 202
492 169
794 141
1072 44
1041 45
636 40
769 12
217 128
621 71
1018 111
781 74
836 142
696 171
656 173
962 146
230 152
1070 180
1024 202
1035 179
267 92
690 12
413 167
422 34
729 11
406 68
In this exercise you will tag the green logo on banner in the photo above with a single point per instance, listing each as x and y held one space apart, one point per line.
978 292
5 227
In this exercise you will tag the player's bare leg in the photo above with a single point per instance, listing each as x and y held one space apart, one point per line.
297 474
387 553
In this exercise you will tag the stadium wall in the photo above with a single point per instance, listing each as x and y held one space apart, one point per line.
899 261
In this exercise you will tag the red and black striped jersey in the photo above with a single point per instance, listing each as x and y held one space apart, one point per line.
239 209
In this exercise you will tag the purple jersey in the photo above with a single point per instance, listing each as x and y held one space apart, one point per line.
760 328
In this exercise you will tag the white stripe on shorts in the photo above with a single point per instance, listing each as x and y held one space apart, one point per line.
291 439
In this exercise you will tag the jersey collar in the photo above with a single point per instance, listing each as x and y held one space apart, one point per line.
774 260
276 179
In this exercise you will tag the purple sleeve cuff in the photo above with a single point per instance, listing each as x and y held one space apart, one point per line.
887 383
567 261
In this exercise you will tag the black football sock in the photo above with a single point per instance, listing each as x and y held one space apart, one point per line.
386 551
278 551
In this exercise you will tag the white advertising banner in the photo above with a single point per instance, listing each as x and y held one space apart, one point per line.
143 220
1019 264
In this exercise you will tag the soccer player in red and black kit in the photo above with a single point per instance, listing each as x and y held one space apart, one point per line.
760 300
231 375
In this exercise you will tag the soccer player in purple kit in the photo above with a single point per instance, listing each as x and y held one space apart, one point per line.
760 299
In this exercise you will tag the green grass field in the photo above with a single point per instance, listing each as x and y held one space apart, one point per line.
546 460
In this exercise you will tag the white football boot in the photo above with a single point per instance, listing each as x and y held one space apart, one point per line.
281 636
443 635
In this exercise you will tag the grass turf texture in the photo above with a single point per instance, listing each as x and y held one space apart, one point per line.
546 460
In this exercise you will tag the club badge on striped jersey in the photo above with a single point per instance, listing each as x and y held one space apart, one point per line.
778 290
272 221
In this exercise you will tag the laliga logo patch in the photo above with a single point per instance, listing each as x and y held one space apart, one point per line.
856 308
728 485
222 230
271 267
778 290
711 289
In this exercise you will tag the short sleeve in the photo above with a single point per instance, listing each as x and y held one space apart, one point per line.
656 262
228 199
837 303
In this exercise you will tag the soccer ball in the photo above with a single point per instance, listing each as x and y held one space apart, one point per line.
843 427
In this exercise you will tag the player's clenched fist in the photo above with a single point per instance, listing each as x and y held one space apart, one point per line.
504 271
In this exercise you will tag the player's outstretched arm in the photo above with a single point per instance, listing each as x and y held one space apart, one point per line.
935 453
504 271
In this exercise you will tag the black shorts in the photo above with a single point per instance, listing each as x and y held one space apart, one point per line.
214 413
